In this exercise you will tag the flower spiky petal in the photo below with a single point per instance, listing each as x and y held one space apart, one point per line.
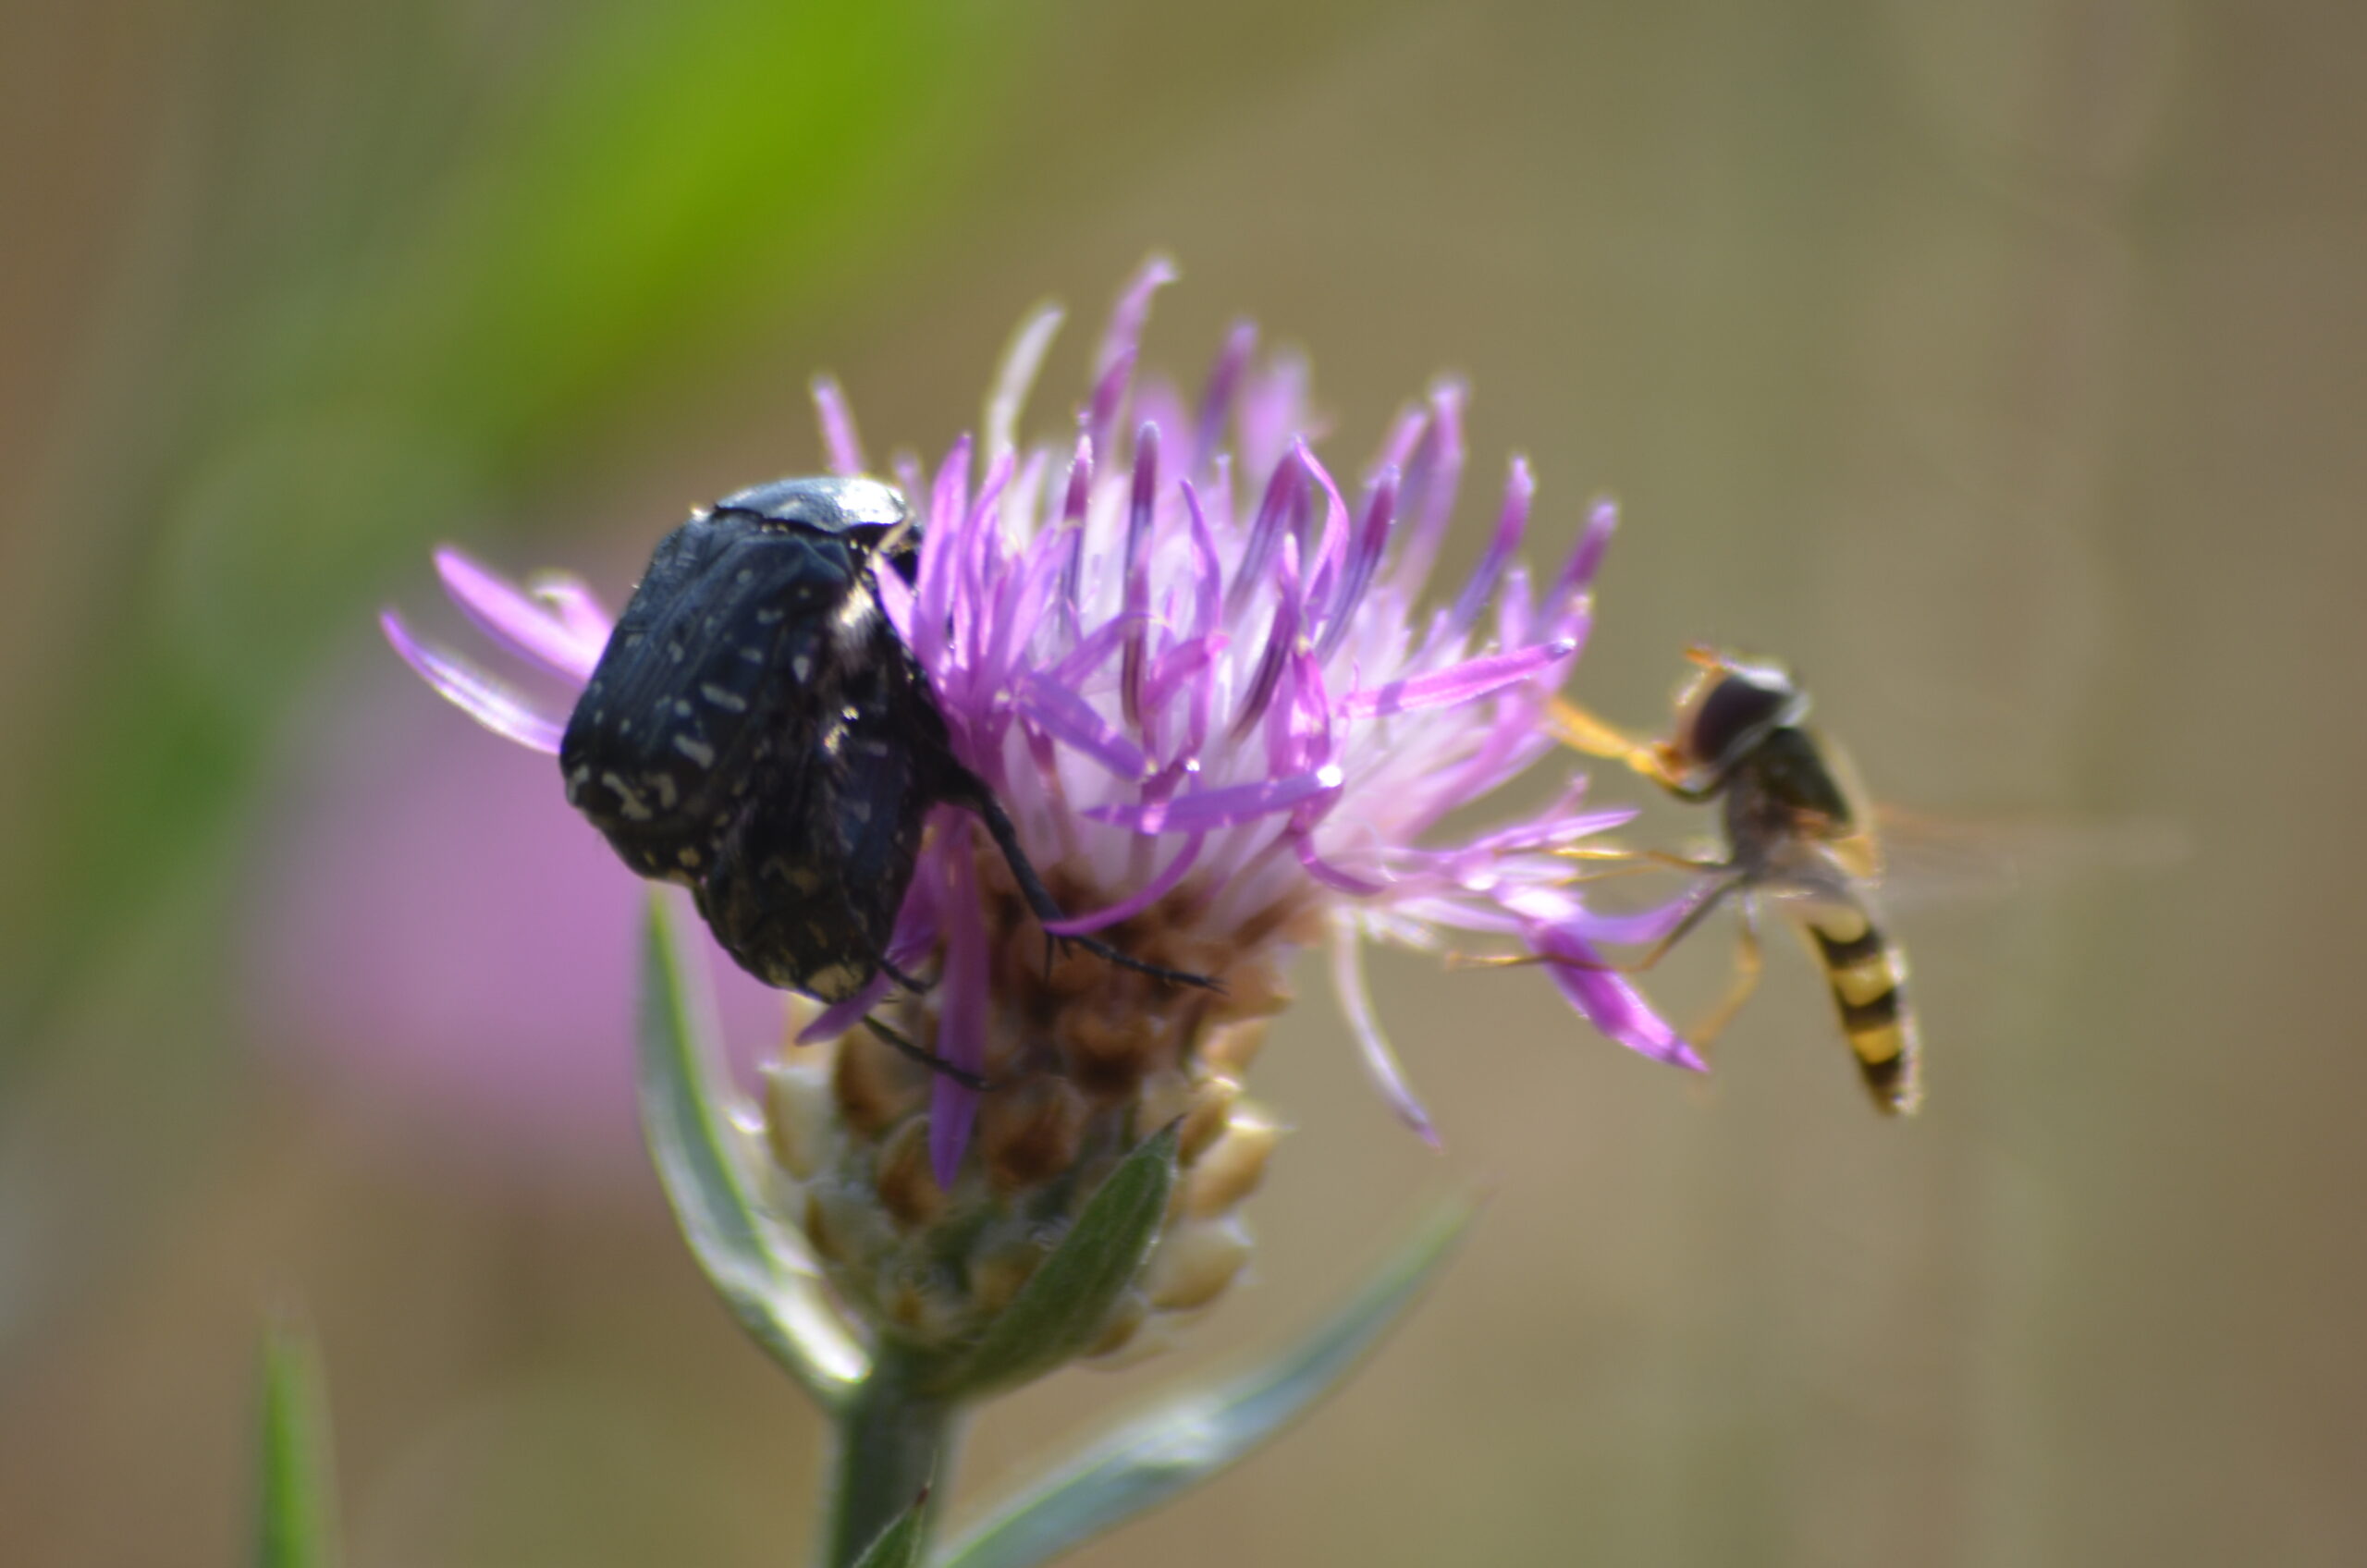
1197 674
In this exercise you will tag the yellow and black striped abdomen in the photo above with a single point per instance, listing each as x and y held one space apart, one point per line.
1869 979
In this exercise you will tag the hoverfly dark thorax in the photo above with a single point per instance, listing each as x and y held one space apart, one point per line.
1796 838
1728 713
1786 787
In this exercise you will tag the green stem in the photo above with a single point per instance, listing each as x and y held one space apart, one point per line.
894 1443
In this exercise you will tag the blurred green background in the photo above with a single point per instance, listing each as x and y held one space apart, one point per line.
2003 367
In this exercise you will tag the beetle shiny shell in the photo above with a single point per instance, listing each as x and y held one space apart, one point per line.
756 730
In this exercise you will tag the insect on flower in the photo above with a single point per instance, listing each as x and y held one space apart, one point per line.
1164 651
1798 832
756 729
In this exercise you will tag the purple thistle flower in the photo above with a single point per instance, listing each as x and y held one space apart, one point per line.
1202 683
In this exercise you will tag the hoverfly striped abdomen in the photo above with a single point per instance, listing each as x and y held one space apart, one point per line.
1868 976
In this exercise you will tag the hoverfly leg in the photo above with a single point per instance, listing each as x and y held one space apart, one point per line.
1750 961
1661 950
1634 862
1656 760
1700 912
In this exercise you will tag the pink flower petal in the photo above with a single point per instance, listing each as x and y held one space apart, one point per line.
1223 390
578 608
839 1017
479 695
1138 571
1380 1062
1372 539
841 446
1577 577
1520 487
518 620
962 1019
1331 876
1078 724
1226 807
1016 375
1457 683
1279 515
1432 475
1612 1004
1151 893
1114 365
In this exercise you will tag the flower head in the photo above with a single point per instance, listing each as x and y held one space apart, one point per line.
1201 677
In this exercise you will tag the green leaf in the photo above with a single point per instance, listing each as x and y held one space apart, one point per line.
396 332
687 1114
296 1522
1064 1306
900 1544
1195 1435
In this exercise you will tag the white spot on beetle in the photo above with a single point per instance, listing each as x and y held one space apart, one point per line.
699 751
839 978
723 697
630 804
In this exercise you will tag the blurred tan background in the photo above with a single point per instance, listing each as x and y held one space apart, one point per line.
2003 367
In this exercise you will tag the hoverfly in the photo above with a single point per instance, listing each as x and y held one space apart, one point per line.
1798 833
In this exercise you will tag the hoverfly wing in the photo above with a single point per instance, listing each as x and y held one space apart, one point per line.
1941 860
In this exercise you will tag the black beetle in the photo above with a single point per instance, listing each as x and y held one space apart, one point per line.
756 729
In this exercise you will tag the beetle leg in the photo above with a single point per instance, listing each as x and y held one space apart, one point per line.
911 983
971 792
878 956
928 1059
